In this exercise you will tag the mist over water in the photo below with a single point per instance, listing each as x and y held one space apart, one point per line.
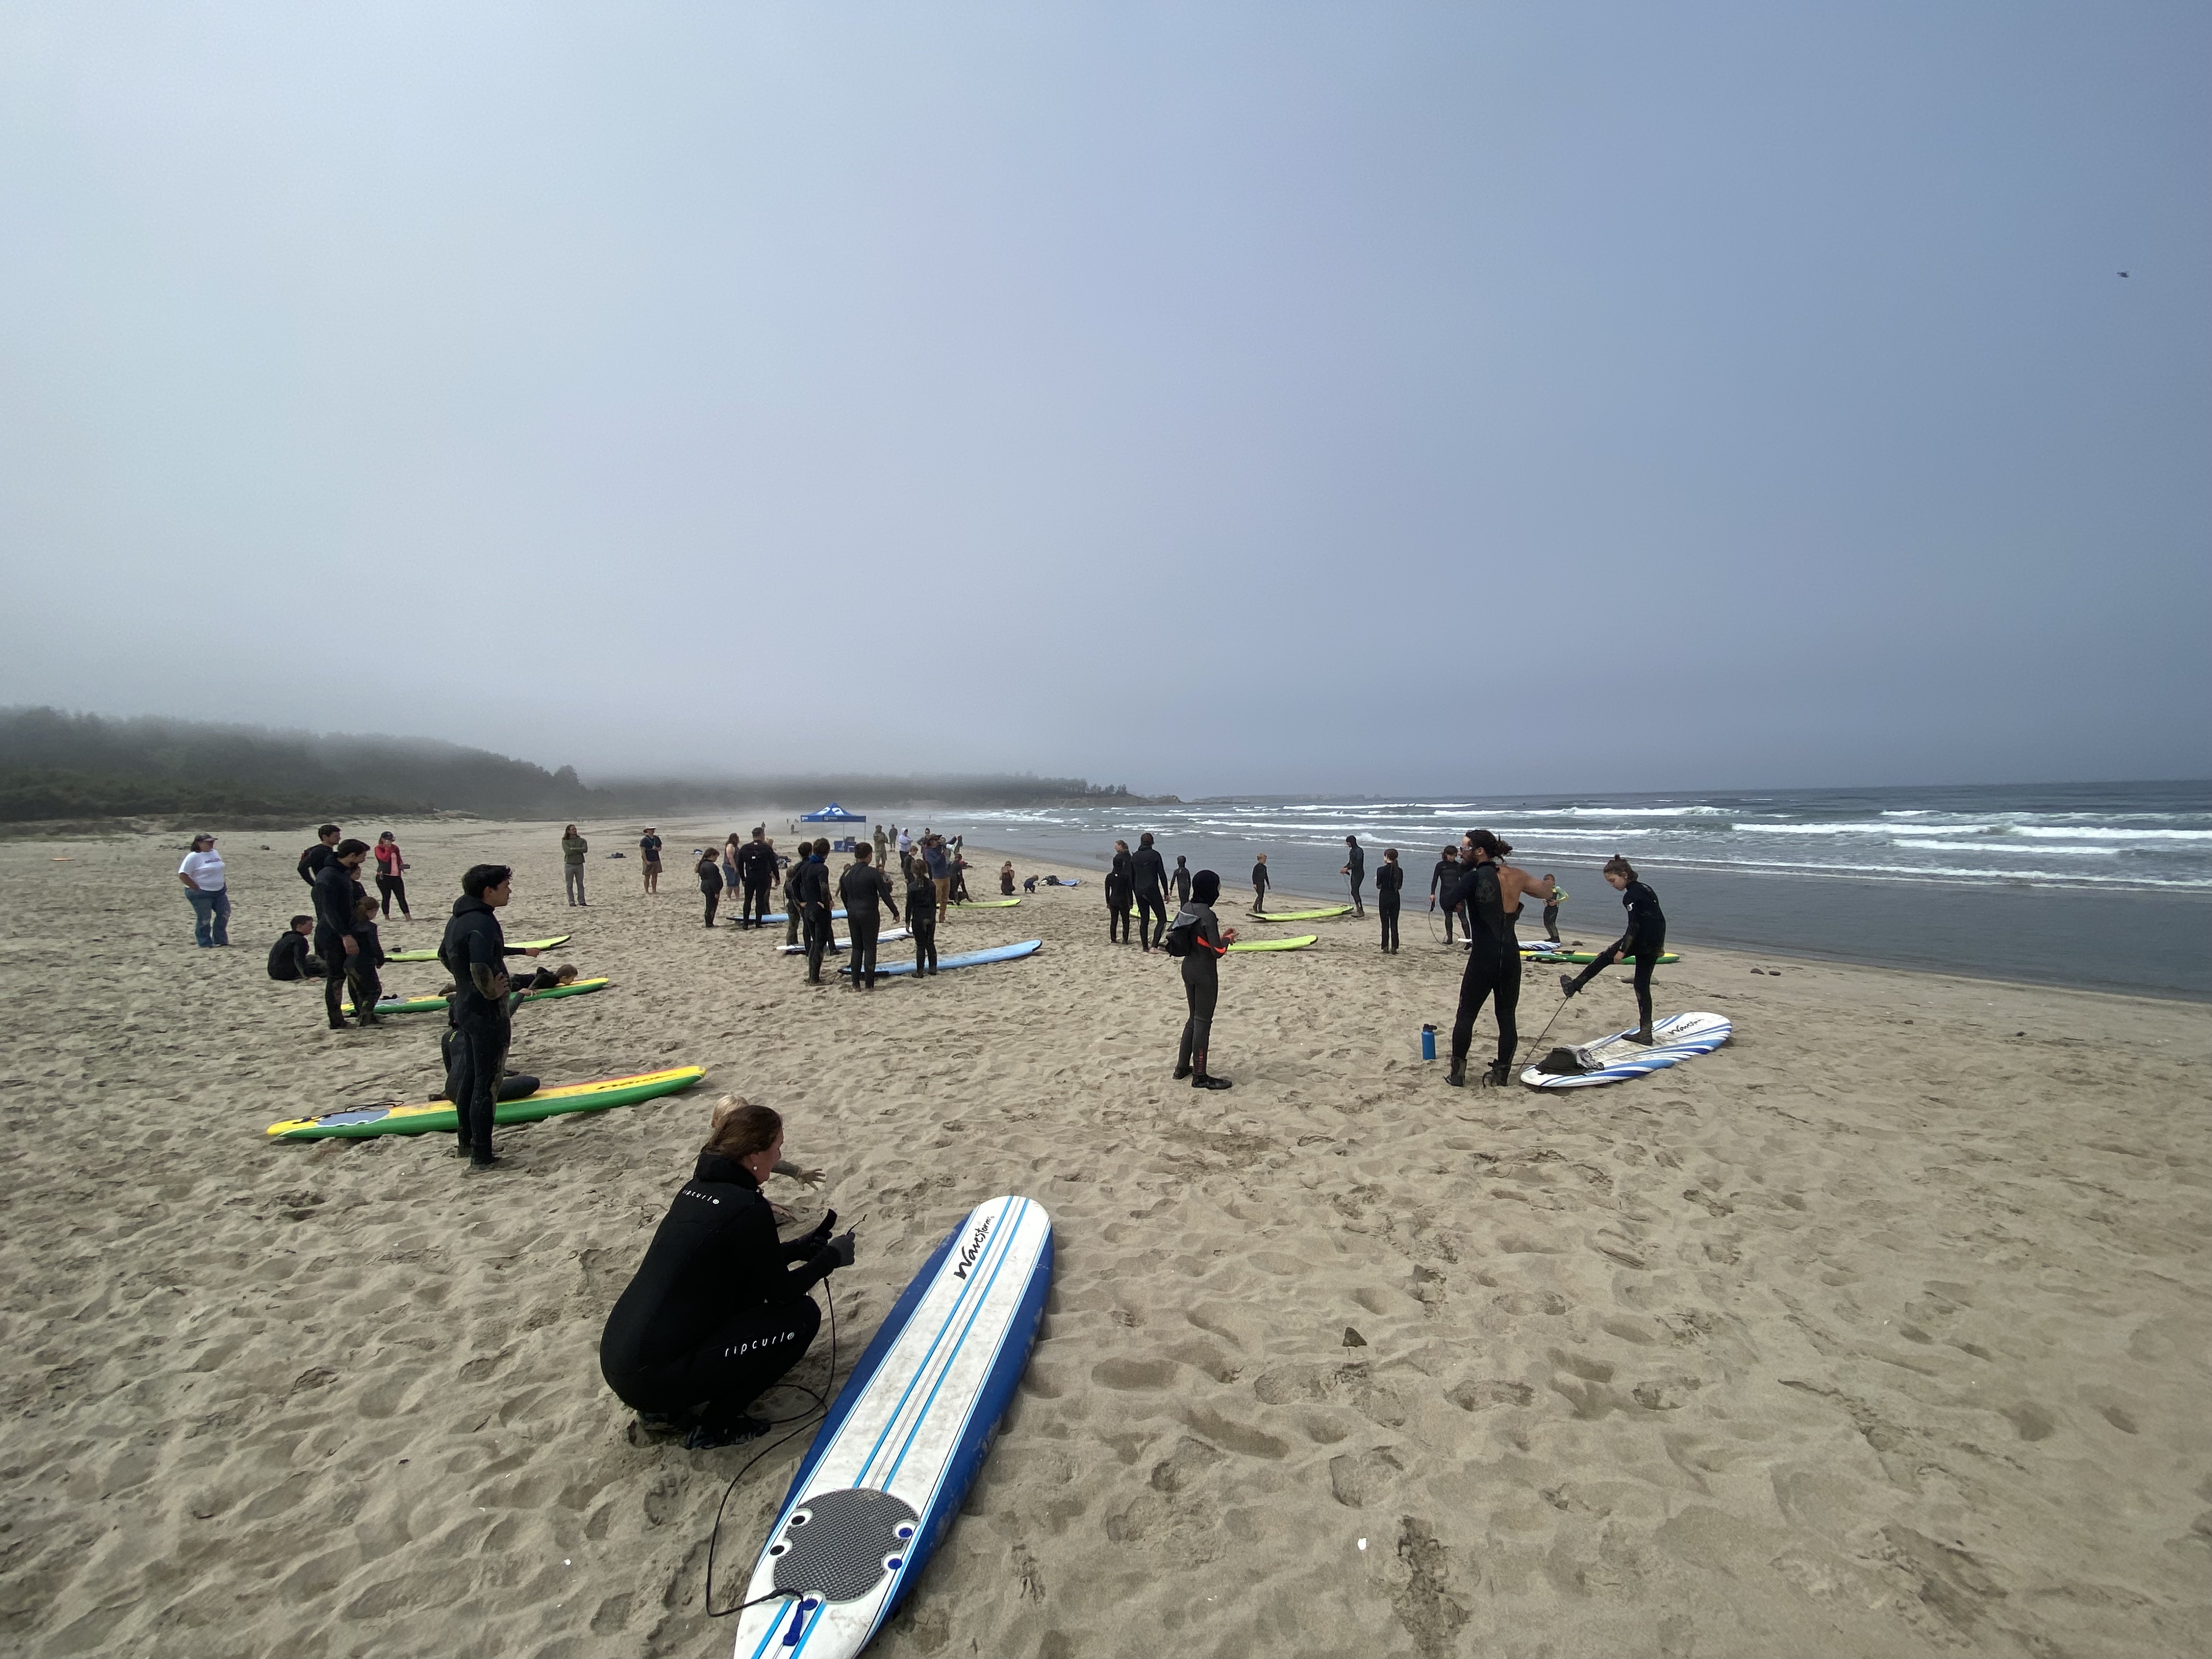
2107 885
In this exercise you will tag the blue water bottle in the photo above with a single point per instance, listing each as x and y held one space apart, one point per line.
1428 1043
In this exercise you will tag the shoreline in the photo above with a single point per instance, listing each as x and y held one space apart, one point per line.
1882 1329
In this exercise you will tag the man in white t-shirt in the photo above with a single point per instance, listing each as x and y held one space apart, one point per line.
208 889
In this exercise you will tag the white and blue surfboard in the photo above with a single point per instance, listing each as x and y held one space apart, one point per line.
889 936
903 1441
1028 947
1619 1057
782 916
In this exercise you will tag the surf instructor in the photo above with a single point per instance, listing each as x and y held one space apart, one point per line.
717 1311
474 952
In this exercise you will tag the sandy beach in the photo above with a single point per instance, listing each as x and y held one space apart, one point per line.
1884 1330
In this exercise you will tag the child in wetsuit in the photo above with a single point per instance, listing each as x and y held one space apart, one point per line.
922 918
290 957
1551 914
362 980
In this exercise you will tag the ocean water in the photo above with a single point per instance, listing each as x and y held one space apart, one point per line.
2107 886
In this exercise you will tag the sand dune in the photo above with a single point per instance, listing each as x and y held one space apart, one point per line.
1883 1330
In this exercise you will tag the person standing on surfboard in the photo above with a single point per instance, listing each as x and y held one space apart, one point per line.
1490 890
863 888
717 1311
1645 941
757 875
1355 867
336 891
1150 872
1260 885
1198 936
474 952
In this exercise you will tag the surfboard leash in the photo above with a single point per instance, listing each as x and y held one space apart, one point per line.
819 1408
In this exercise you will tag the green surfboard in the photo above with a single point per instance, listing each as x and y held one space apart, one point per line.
985 904
427 1117
511 944
435 1005
1301 915
1297 943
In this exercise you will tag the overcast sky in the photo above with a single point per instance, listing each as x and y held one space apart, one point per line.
1276 397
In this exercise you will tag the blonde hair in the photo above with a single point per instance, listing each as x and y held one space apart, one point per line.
739 1128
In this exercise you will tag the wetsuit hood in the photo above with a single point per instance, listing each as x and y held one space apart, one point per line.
468 903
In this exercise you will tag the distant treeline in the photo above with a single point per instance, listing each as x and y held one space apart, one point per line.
55 765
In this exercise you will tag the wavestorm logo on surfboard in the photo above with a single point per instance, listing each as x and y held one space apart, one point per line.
973 1248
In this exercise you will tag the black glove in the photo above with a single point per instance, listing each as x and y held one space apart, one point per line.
819 1234
837 1253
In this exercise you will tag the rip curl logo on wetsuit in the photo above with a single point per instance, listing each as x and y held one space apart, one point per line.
974 1247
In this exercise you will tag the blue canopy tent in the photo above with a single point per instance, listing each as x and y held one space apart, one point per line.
833 813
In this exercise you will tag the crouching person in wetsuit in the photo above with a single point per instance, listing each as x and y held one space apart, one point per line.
1196 935
718 1311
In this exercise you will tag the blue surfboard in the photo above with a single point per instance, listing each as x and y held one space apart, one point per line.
1028 947
902 1442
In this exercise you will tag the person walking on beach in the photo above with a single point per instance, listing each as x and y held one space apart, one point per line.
708 869
1387 881
1551 914
1150 873
1492 891
1440 882
474 952
335 892
1119 896
882 849
1260 886
1196 935
938 863
1644 942
390 877
757 873
648 847
921 915
573 848
1355 866
863 888
207 888
814 898
1180 876
312 861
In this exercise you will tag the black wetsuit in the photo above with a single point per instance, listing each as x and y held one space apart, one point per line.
863 888
363 982
813 882
1357 859
716 1312
312 861
1493 964
1121 894
922 918
474 939
1551 921
334 894
757 875
289 958
1388 880
1181 879
710 885
1643 943
1201 985
1259 889
1149 870
1440 883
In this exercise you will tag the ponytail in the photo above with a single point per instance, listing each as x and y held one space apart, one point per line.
1489 843
1618 866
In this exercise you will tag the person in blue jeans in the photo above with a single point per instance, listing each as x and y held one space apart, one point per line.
208 889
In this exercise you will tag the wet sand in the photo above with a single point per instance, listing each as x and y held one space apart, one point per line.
1883 1330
